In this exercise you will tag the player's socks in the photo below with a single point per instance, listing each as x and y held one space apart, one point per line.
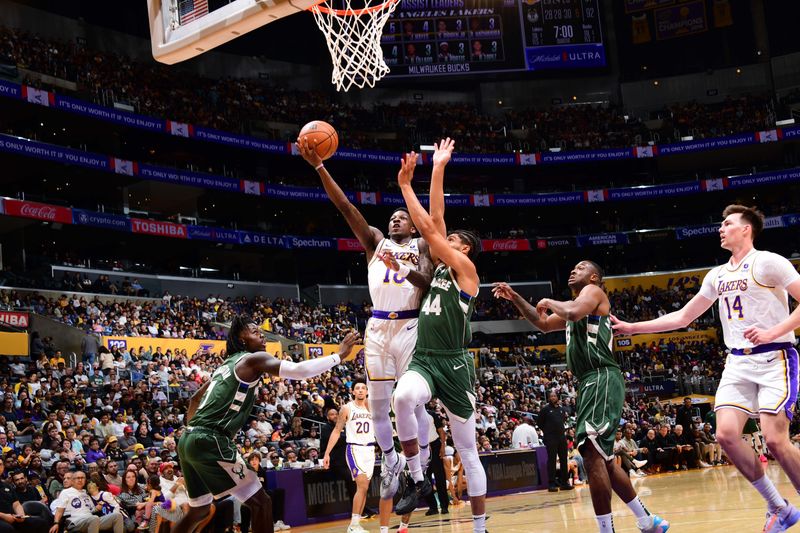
390 457
424 455
643 517
479 523
767 489
355 519
606 523
384 529
403 525
415 467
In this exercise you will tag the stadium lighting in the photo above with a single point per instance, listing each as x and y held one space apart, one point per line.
687 138
785 122
206 269
426 148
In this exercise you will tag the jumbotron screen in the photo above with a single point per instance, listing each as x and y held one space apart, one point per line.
435 37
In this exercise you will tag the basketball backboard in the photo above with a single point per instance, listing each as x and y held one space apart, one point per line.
182 29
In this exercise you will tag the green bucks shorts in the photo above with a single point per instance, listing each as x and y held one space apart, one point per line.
451 379
213 467
600 397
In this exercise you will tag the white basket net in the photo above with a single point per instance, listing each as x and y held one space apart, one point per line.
354 41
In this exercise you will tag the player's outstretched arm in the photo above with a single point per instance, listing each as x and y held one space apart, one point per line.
441 156
763 336
540 320
344 413
460 263
251 367
368 236
669 322
590 297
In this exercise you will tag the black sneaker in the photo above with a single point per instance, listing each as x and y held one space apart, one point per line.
410 499
552 488
432 512
565 486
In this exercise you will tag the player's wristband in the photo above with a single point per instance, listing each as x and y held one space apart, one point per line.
321 165
404 270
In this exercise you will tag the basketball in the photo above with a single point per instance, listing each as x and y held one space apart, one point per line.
321 137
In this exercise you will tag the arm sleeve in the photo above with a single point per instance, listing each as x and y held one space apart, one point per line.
774 270
308 369
707 289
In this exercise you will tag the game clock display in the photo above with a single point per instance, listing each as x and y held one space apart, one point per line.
435 37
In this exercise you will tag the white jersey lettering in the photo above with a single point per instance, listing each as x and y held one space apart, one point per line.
359 428
752 294
389 291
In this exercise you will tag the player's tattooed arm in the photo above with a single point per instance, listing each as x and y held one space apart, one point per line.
421 277
368 236
194 401
539 319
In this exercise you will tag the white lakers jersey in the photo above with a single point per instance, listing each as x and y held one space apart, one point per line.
752 294
389 291
358 427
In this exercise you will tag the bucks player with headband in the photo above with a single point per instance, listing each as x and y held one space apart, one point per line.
601 390
760 377
442 367
399 271
356 420
210 461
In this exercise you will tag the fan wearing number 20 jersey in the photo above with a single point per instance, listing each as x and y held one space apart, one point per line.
392 330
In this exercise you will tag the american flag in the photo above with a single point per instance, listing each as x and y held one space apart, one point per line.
189 10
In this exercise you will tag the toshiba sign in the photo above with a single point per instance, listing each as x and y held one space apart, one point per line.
156 227
14 319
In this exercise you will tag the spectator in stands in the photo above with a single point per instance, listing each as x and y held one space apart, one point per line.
77 507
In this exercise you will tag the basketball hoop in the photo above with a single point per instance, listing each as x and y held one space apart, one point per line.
354 41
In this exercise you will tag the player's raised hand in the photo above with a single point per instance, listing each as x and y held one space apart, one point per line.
759 336
443 151
308 152
346 347
503 290
407 165
542 306
620 326
389 260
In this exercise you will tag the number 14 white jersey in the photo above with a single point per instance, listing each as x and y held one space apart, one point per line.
752 294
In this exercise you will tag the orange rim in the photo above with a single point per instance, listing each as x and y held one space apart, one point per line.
349 12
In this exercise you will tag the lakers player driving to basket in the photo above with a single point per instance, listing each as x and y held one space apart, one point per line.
210 461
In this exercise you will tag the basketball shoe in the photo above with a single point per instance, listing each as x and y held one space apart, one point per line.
659 526
412 493
390 476
782 519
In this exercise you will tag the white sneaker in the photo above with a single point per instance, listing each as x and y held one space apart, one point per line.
578 482
390 477
279 525
356 529
638 464
704 464
637 473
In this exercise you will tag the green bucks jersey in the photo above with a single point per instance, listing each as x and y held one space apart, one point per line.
589 345
227 403
444 316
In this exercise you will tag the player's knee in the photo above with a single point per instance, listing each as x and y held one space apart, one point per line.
404 398
728 436
476 475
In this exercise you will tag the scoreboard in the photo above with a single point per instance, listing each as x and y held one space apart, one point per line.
434 37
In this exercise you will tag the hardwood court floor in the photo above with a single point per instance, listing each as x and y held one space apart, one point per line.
697 501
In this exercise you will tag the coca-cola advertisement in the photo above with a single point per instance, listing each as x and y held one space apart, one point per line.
51 213
506 245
